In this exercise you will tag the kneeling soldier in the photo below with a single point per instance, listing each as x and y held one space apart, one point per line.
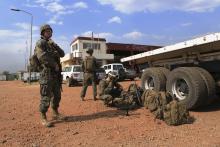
109 88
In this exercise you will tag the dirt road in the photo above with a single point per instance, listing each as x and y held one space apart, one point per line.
90 123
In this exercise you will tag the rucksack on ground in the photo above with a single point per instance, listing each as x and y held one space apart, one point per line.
89 64
176 113
155 102
136 91
107 99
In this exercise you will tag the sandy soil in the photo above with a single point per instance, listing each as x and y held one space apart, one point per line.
90 123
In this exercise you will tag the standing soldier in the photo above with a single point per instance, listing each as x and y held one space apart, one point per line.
89 66
48 54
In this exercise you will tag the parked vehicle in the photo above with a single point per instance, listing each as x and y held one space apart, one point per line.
34 76
115 67
130 74
72 75
100 74
189 70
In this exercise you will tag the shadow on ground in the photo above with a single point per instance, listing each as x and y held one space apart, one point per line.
104 114
215 106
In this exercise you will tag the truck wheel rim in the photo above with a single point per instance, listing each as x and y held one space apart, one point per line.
149 83
180 89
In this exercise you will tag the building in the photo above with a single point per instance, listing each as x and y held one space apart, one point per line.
8 77
121 50
2 77
79 47
104 52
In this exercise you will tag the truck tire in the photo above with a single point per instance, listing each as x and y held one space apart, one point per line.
164 70
186 84
210 84
152 78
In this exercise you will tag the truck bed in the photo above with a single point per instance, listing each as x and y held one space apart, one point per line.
207 44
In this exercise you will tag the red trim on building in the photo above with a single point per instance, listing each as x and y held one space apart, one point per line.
130 47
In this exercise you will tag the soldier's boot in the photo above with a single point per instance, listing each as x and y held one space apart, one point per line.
57 116
95 98
82 98
44 121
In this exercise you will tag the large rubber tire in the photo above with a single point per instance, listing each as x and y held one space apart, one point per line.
165 71
155 77
210 84
186 84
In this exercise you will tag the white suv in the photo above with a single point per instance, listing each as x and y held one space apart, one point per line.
115 67
72 74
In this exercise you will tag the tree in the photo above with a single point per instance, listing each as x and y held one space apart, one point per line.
5 72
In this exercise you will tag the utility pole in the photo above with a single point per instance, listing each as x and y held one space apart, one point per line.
19 10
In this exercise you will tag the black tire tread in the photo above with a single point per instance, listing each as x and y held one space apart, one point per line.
210 84
197 82
160 82
164 70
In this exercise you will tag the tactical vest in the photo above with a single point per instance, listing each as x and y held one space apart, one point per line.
89 64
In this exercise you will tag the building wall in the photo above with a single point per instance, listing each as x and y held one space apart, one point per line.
79 51
2 77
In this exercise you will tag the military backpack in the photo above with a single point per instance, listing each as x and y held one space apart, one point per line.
155 102
35 65
176 113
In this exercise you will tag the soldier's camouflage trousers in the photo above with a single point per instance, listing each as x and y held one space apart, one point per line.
50 92
87 79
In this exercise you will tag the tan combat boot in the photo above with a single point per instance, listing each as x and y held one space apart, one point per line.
44 121
82 99
57 115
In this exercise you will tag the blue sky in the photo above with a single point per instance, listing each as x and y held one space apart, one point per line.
150 22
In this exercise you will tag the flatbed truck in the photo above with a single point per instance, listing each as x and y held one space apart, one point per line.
189 70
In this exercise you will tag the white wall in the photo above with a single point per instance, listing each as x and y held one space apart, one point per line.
98 53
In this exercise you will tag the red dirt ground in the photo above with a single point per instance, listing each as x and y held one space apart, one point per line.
90 123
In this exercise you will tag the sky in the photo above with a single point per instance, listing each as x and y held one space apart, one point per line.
147 22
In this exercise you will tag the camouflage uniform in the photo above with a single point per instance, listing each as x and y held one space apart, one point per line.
112 88
111 92
89 76
48 54
109 89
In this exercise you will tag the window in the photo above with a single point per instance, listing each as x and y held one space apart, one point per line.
86 45
67 69
115 67
74 47
109 66
77 69
93 45
105 67
119 66
96 45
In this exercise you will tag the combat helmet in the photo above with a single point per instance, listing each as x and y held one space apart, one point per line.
45 27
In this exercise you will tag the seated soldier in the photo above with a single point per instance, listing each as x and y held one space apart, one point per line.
110 86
